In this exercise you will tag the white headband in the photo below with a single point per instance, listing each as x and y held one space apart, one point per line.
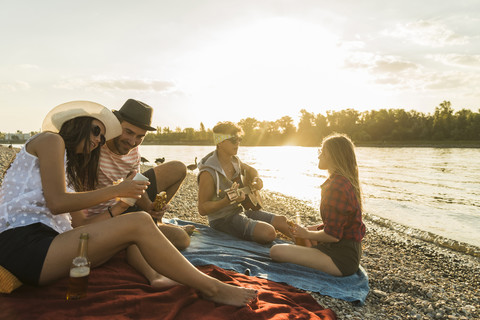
220 137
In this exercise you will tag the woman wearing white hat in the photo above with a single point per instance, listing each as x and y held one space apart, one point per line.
52 179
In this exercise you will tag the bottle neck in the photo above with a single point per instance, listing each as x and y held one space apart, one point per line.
83 247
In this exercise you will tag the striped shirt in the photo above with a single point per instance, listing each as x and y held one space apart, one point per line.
113 167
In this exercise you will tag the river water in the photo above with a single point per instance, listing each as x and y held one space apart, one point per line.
436 190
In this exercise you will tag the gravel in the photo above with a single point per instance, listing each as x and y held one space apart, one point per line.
409 278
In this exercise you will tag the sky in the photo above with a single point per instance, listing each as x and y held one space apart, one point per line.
204 61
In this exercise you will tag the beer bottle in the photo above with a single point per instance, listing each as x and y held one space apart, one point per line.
299 241
79 271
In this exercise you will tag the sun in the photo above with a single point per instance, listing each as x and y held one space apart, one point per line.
265 69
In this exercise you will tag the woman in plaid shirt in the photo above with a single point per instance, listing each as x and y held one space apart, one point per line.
337 242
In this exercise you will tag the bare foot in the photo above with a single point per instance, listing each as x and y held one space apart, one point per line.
161 281
232 295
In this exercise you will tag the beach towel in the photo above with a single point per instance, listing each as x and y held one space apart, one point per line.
209 246
117 291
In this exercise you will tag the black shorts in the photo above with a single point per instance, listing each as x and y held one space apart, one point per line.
345 254
151 190
23 251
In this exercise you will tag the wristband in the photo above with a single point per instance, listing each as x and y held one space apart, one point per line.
110 211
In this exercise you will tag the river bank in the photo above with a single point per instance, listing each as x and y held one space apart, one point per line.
409 278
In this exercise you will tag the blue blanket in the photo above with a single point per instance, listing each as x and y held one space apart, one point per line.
209 246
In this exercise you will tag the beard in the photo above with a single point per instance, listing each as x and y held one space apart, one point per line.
122 147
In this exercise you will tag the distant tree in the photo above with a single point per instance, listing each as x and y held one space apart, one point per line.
286 129
189 134
344 121
384 125
250 128
306 129
321 125
443 121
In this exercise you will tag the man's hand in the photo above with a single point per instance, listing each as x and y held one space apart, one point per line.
235 195
257 183
157 214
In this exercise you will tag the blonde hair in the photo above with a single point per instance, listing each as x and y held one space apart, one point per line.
341 151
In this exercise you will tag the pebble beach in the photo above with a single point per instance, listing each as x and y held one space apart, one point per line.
409 278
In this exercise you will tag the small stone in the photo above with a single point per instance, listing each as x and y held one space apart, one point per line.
379 293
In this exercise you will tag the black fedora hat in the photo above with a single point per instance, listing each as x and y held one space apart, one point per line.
137 113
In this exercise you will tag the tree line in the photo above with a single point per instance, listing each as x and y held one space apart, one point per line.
385 126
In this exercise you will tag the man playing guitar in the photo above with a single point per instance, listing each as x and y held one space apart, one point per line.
228 191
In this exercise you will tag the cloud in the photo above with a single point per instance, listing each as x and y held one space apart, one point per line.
405 75
457 60
378 64
29 66
428 33
124 84
14 86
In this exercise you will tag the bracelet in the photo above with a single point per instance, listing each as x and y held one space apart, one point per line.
110 211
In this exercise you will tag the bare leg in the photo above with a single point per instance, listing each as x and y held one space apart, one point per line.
176 235
110 236
280 223
264 233
136 260
170 176
308 257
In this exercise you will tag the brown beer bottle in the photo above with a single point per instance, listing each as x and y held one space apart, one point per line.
79 271
299 241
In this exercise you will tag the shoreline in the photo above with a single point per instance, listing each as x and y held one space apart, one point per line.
363 144
409 278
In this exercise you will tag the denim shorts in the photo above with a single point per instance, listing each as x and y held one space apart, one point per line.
241 225
23 251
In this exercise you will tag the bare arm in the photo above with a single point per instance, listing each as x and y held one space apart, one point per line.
206 191
50 150
80 218
320 236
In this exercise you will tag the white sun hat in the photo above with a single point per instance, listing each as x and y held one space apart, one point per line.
66 111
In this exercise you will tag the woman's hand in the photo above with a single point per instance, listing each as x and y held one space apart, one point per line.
299 231
131 188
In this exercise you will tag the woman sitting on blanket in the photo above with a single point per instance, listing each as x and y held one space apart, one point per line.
37 203
337 243
219 171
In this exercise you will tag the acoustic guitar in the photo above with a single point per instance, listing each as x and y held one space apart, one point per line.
253 198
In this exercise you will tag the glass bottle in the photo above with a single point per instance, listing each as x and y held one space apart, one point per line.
79 271
299 241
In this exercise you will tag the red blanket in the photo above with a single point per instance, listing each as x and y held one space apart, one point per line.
116 291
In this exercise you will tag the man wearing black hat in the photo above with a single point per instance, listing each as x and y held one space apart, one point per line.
120 156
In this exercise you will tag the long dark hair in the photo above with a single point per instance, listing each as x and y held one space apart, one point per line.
82 168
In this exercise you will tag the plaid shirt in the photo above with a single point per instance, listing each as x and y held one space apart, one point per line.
340 210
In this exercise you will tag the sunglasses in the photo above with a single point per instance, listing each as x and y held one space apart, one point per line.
96 132
235 140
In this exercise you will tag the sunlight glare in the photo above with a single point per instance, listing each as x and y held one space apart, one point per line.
265 69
